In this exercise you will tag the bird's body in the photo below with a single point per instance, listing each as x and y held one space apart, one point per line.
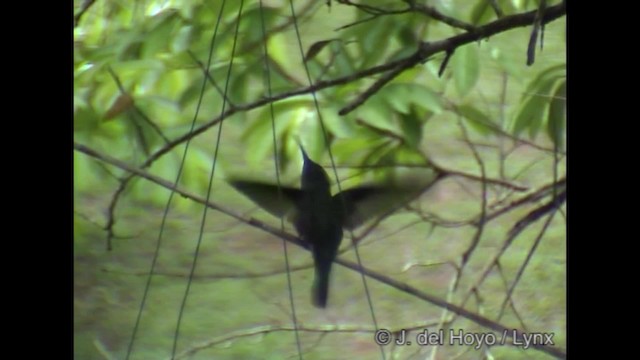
319 225
319 217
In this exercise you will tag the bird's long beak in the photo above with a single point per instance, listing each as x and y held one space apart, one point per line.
304 153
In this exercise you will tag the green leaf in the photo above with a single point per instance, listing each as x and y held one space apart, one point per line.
407 36
251 24
550 74
257 139
536 99
258 136
137 69
158 36
278 47
315 48
481 12
466 68
411 126
531 115
477 119
373 38
508 62
182 40
378 151
311 135
340 126
85 119
343 63
401 96
557 115
377 113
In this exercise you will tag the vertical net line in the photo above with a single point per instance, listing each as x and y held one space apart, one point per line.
333 166
211 175
165 214
285 250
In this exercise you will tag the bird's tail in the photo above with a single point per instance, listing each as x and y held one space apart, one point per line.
320 290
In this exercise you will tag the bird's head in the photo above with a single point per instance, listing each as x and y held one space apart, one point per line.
313 175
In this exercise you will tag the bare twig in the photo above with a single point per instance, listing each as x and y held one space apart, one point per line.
483 203
433 13
528 258
513 233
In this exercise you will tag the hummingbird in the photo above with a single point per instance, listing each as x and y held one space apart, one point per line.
319 217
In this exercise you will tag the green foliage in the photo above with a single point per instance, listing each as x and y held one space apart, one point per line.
466 68
478 120
539 94
557 117
138 83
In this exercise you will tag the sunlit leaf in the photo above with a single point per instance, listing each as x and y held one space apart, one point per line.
340 126
159 31
182 40
411 126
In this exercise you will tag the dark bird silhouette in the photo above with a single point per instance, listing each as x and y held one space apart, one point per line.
319 217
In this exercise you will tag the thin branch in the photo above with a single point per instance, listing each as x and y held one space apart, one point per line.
144 116
221 276
425 10
514 232
433 13
210 78
373 17
483 204
443 66
371 90
536 214
527 259
533 197
372 9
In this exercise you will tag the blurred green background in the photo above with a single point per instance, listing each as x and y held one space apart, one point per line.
138 80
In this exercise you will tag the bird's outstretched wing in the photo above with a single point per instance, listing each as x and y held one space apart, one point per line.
358 205
269 197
